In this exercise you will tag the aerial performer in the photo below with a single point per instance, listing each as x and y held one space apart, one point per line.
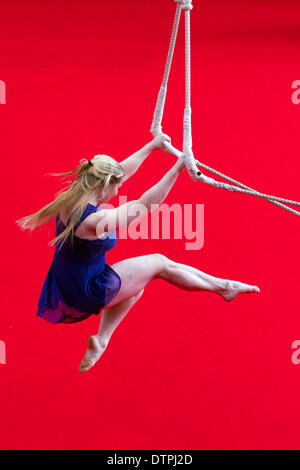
79 282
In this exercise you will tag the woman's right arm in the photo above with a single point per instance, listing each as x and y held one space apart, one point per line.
109 220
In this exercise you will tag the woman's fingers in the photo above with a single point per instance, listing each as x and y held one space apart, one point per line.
166 137
158 141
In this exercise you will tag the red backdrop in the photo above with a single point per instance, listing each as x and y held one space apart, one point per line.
183 370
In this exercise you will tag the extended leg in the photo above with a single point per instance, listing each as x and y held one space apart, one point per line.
137 272
110 319
176 274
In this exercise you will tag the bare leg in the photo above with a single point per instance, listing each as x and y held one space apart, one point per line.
137 272
110 318
224 287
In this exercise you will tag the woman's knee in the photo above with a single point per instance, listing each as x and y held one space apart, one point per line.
162 262
162 259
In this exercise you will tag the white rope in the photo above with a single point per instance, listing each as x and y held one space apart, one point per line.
156 127
187 154
172 45
246 189
187 25
160 103
158 113
241 188
270 197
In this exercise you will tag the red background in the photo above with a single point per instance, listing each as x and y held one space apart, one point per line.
183 370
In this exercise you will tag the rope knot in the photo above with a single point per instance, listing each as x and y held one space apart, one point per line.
185 4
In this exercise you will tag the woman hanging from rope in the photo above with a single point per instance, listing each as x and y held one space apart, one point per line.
80 282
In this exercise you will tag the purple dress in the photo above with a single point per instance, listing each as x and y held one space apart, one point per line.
79 283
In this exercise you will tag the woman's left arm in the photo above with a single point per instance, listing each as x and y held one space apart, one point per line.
131 164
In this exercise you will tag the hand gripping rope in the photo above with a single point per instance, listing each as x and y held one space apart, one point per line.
187 153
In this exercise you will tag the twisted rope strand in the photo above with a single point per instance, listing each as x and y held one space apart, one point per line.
156 127
241 188
241 185
187 59
172 45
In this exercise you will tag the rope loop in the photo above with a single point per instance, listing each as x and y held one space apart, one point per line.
185 4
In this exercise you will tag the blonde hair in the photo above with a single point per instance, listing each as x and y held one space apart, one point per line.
91 176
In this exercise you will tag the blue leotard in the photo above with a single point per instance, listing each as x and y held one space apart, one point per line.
79 282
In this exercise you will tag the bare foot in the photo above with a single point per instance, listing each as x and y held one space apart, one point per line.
234 288
94 351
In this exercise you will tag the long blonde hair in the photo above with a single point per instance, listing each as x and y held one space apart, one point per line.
91 177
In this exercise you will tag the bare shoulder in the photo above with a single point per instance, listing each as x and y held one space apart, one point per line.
109 220
87 228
